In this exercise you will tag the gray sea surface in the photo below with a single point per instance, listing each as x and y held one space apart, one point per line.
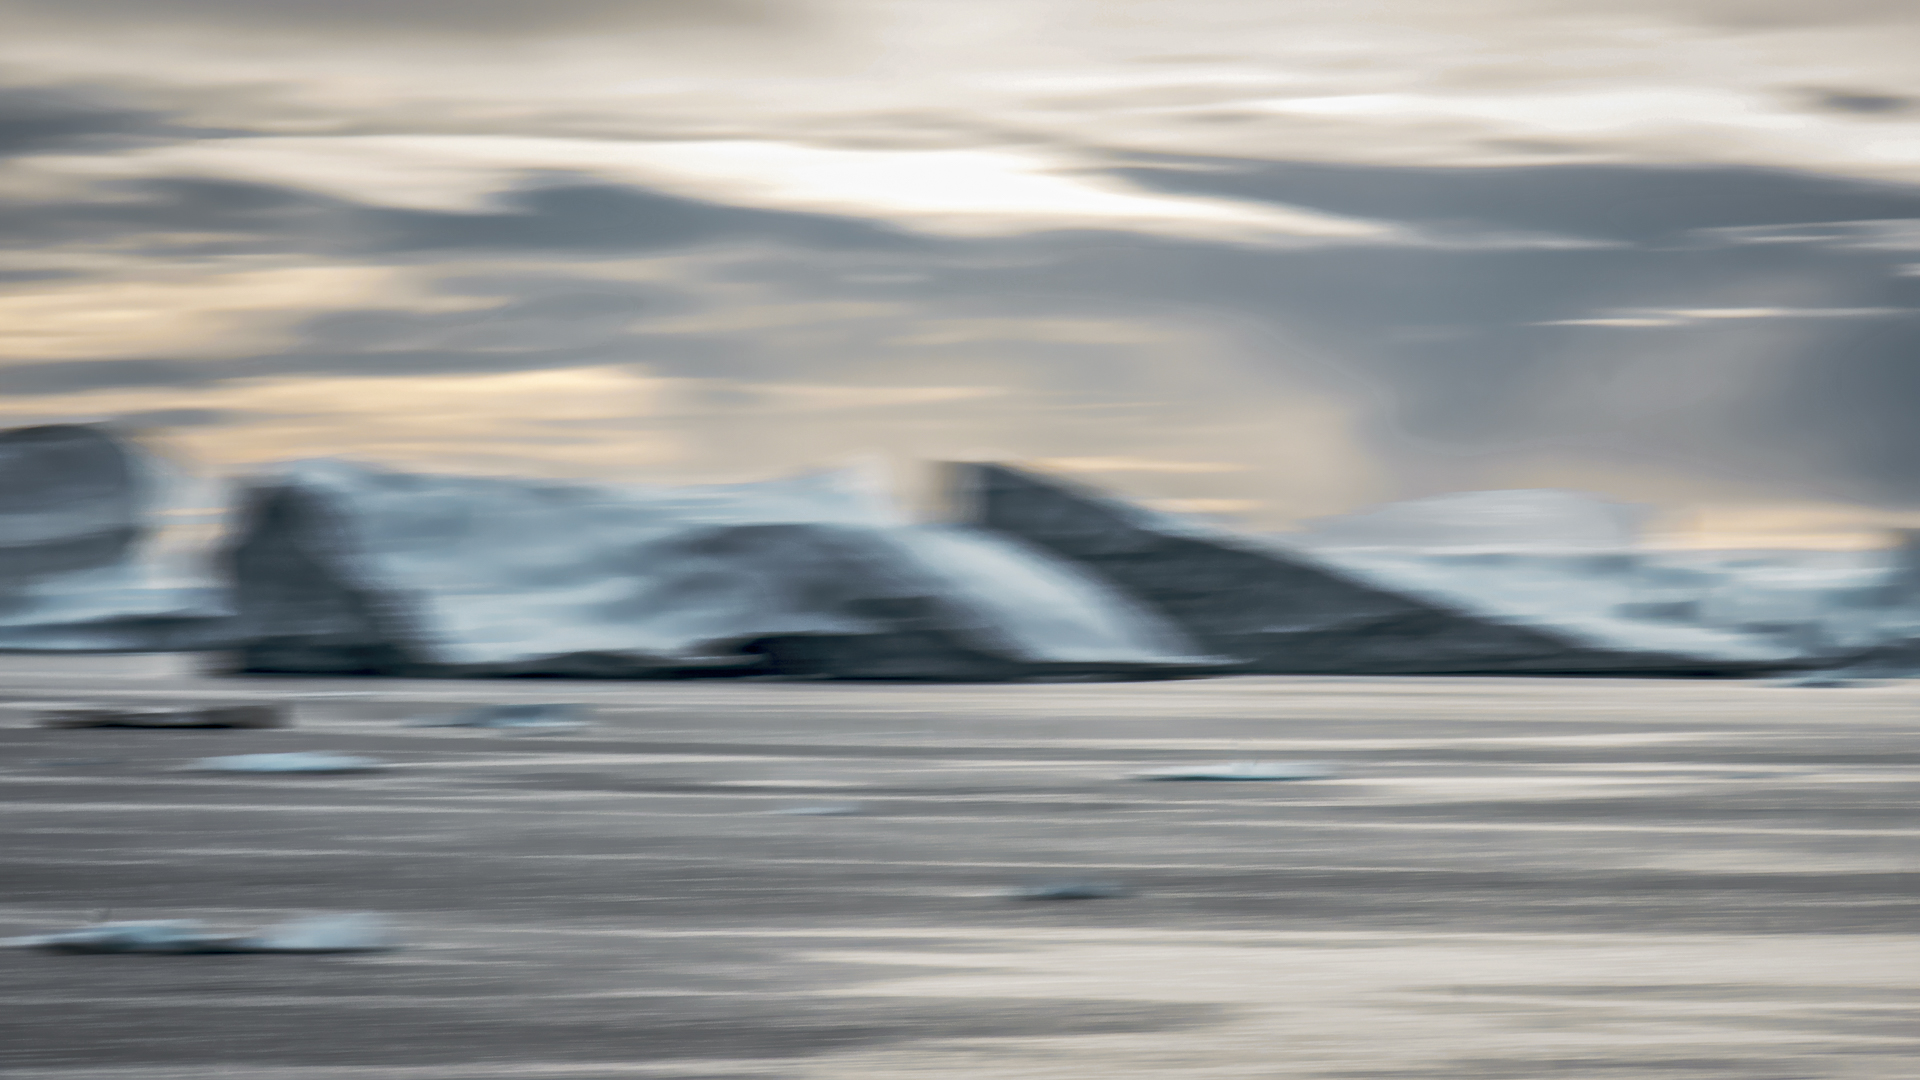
1507 879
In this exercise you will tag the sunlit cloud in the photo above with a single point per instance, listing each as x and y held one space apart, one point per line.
981 192
1625 321
1136 465
1781 524
1891 235
1276 255
1204 506
186 311
1685 316
1788 313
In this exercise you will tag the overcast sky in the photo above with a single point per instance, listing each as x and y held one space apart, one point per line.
1270 258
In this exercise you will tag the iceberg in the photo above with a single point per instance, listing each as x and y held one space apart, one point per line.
342 568
1285 610
76 565
1569 555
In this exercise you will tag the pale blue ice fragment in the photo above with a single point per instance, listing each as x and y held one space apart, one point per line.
312 934
299 762
1245 770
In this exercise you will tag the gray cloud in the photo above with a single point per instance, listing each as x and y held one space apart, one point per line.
1846 413
542 321
1766 14
222 216
606 218
1438 341
1623 202
78 376
36 119
71 376
590 219
157 418
1859 101
1441 349
9 277
445 18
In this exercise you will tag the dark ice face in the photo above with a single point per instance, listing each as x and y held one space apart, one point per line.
69 500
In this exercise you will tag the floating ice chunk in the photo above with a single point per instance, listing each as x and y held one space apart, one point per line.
523 718
360 932
315 934
305 762
1245 770
164 936
336 695
1825 680
161 716
1069 890
820 811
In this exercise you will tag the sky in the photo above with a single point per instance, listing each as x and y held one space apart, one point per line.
1270 260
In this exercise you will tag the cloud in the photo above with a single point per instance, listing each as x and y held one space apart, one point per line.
802 398
1856 101
1452 82
9 277
589 217
1142 239
1616 202
1786 523
229 326
75 377
1634 322
1790 313
167 418
1656 317
38 119
765 339
1847 414
758 360
1204 506
118 224
159 218
174 309
981 192
1136 465
441 18
1778 13
1892 234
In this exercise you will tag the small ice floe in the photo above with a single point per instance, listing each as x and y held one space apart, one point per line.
824 810
550 719
161 716
358 932
314 934
1245 770
303 762
1823 680
1069 890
